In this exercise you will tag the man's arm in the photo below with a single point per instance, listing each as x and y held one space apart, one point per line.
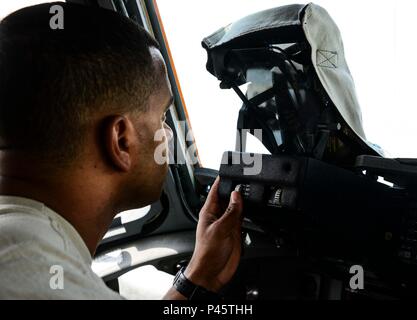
218 244
173 294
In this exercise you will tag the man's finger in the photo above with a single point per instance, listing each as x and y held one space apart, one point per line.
212 202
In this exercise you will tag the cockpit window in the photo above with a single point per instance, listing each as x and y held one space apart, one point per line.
377 55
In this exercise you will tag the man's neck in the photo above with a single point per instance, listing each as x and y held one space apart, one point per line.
77 197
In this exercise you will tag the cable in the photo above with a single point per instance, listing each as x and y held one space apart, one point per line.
286 57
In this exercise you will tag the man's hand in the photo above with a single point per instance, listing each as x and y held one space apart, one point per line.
218 241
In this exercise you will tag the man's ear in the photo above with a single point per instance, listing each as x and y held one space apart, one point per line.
119 138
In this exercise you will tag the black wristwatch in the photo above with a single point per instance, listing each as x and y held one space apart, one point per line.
192 291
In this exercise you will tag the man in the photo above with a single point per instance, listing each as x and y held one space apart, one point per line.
79 108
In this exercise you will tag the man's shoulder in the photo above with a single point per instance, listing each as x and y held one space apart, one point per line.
40 261
29 224
30 234
34 270
21 226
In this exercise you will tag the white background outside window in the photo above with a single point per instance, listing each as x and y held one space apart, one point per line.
380 46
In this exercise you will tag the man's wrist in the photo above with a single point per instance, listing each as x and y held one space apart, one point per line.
173 294
200 277
191 290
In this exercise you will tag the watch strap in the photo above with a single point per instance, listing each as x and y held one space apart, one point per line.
192 291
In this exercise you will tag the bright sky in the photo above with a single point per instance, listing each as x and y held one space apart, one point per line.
378 37
379 50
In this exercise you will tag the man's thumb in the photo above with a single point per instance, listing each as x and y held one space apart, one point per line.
234 209
235 198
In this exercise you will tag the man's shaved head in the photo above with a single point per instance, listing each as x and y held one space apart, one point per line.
54 82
